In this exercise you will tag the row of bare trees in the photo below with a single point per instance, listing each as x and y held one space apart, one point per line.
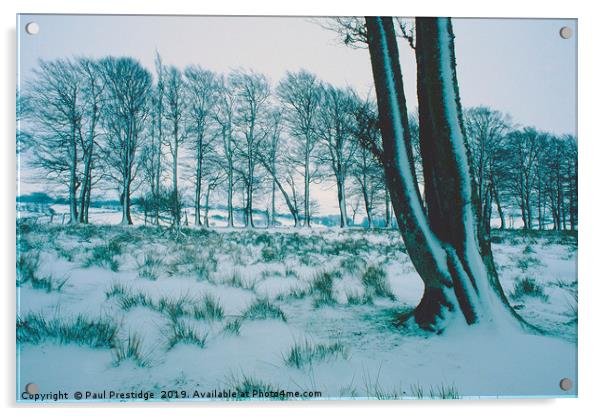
195 138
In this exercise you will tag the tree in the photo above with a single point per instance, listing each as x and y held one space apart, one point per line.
54 99
486 131
127 93
174 112
92 90
202 86
280 170
300 95
224 114
524 146
572 174
153 153
252 92
334 129
441 242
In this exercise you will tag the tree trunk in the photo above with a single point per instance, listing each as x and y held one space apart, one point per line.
206 219
307 222
73 178
199 177
272 220
443 247
500 212
387 208
176 202
342 201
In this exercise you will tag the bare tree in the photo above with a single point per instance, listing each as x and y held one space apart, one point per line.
369 179
524 146
334 129
441 242
54 97
202 88
300 95
127 92
281 170
224 115
175 109
252 92
486 131
154 150
92 92
572 175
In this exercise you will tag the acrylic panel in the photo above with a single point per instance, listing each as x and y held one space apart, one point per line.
294 208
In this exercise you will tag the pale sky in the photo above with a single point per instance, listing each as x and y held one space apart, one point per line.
519 66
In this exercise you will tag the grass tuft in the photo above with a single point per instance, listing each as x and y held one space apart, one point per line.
106 255
184 334
527 286
131 349
376 284
209 309
35 328
305 353
263 309
249 387
151 265
322 287
233 327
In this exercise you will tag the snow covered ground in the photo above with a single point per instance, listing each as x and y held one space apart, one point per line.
106 307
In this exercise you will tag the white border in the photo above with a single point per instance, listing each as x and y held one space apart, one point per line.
589 174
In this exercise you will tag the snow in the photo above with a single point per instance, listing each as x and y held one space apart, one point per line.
380 359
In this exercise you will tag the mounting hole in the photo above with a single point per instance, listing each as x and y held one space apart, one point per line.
566 384
32 388
32 28
566 32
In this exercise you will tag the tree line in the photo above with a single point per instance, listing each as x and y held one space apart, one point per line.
194 138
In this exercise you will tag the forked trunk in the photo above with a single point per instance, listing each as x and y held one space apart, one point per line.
443 246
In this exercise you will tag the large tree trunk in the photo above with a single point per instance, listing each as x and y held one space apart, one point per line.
443 247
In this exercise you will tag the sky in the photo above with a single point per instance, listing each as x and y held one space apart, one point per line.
518 66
